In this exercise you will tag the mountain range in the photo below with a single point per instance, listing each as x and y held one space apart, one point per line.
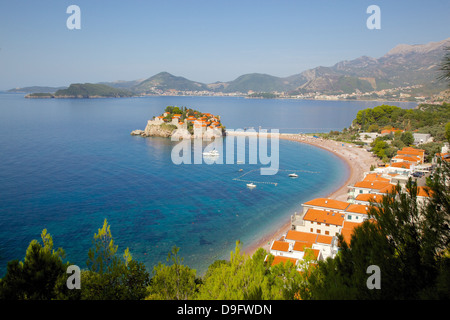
404 65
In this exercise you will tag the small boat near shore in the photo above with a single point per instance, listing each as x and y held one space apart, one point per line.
251 185
213 153
293 175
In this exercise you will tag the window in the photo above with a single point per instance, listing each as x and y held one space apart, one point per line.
327 232
349 217
312 230
318 231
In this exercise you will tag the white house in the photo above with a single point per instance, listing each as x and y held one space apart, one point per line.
420 138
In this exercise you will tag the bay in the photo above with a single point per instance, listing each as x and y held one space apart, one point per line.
66 165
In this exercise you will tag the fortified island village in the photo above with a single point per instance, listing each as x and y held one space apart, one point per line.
183 123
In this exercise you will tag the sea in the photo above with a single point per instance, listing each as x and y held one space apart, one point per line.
66 165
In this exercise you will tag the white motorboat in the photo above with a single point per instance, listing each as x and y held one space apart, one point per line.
293 175
212 153
251 185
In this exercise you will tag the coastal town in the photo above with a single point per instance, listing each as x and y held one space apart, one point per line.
312 233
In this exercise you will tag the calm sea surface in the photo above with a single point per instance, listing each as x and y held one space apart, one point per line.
66 165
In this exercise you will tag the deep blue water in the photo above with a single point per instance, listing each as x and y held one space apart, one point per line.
66 165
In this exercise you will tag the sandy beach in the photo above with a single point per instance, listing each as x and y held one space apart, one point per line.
358 161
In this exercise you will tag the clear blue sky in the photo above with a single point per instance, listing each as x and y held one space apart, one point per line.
206 41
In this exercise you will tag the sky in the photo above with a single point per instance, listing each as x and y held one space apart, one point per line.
205 41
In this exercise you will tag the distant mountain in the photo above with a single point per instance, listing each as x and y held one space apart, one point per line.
122 84
165 81
404 65
256 82
36 89
90 90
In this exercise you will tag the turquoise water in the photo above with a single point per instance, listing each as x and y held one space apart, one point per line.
66 165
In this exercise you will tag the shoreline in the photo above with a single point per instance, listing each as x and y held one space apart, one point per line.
357 160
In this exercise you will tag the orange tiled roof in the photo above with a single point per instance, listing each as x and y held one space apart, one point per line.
280 246
324 217
424 192
411 158
327 203
369 197
301 236
347 230
315 253
412 149
405 165
390 189
358 208
444 156
376 185
279 259
324 239
300 246
375 177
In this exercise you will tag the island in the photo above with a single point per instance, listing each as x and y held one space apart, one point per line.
183 123
84 90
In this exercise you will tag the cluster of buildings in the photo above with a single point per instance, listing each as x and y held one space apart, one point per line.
419 138
203 124
314 230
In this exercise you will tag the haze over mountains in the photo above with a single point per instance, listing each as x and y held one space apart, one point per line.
404 65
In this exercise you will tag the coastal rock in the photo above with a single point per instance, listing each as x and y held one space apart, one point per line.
137 132
181 134
152 130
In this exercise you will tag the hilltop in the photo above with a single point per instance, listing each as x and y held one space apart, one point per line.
86 90
405 72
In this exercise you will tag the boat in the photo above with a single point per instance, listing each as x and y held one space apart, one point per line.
251 185
213 153
293 175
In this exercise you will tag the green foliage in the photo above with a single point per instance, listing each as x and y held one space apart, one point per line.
38 276
382 149
373 128
263 95
174 282
87 90
168 126
425 118
39 95
250 278
407 138
108 276
102 257
447 131
431 148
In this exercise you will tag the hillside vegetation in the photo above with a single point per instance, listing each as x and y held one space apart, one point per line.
88 90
